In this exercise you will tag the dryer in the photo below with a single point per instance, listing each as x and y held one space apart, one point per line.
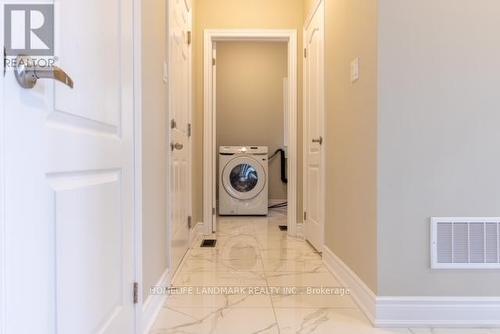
243 180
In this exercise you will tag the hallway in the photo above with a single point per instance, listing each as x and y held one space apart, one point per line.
252 253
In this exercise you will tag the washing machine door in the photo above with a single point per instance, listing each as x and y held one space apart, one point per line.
244 178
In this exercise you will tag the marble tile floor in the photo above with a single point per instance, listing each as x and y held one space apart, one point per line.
255 281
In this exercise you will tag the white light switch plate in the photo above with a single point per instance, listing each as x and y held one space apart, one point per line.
355 70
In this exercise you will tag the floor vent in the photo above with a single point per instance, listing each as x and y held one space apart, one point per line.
465 243
208 243
283 228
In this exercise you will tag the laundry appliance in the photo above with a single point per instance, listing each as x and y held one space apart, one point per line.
243 180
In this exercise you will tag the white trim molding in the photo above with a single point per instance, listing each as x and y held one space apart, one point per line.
3 220
438 312
154 303
209 147
415 311
138 155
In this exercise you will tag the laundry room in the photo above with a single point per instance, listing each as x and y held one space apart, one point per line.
251 127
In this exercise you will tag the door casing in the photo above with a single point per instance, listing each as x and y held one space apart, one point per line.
2 190
139 314
209 128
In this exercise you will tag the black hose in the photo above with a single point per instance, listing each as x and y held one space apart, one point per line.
284 179
280 205
281 151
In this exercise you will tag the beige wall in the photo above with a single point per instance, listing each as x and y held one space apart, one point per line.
308 6
438 136
416 137
351 117
238 14
154 146
250 100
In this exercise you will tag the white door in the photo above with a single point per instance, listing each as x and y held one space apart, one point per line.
314 177
180 105
68 171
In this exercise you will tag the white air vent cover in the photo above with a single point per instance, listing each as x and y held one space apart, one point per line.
465 243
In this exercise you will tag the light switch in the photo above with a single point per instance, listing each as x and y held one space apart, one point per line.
355 70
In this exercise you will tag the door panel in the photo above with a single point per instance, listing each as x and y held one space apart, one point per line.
89 233
180 104
314 130
96 97
69 171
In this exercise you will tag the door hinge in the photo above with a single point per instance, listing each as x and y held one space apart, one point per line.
173 124
190 129
213 211
305 52
213 61
190 222
188 37
136 293
305 216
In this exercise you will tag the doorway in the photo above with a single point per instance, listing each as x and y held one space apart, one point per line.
210 178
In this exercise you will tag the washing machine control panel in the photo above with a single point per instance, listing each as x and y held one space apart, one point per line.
258 150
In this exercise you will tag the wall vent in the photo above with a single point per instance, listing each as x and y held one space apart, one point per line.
465 243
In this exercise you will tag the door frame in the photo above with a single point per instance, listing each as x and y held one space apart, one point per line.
317 6
2 192
139 311
209 126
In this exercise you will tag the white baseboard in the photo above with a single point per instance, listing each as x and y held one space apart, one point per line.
154 303
361 293
438 312
415 311
195 232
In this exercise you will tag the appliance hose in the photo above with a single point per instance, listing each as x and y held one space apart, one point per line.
281 151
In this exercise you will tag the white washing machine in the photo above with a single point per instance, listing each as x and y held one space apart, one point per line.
243 180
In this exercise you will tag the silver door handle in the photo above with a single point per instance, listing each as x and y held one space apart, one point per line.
319 140
27 73
176 146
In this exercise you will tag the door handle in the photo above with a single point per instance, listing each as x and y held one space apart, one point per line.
27 73
176 146
318 140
